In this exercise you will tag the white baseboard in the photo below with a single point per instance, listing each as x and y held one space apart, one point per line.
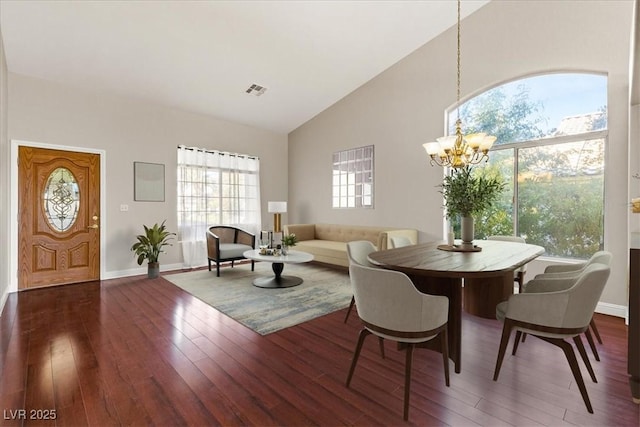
139 271
612 309
3 300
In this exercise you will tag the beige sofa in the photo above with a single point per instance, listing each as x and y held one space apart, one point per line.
328 242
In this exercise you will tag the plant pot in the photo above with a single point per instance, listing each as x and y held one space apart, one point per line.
466 230
153 270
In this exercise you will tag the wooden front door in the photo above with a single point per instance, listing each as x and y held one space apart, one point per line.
58 209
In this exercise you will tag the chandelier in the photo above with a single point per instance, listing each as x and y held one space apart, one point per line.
459 150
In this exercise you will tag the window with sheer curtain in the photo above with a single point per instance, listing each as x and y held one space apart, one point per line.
214 188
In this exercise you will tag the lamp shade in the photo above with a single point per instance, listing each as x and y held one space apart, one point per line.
277 207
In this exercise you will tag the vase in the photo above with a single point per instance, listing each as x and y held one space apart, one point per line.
466 230
284 249
153 270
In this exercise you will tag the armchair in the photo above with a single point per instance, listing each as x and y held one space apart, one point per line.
567 271
390 307
225 243
400 241
357 252
553 315
519 273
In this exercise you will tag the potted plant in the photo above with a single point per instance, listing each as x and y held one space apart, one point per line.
149 246
467 194
288 241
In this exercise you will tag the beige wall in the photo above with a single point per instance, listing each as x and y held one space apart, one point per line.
403 107
4 179
131 130
634 119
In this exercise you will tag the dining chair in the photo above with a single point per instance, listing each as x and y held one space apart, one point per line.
518 273
400 241
390 307
357 252
553 316
557 271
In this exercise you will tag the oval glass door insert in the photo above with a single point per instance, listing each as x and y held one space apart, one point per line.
61 199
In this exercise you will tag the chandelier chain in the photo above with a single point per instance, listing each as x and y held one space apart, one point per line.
458 64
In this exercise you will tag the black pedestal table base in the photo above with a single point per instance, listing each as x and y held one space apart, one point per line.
277 281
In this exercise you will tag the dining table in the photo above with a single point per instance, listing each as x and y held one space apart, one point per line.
486 274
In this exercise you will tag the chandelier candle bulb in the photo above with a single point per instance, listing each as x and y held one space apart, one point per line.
475 140
432 148
487 143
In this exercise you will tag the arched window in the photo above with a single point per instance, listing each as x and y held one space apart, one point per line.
551 133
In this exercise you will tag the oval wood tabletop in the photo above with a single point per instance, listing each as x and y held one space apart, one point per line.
495 258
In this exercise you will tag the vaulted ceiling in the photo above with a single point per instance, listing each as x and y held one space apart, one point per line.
202 56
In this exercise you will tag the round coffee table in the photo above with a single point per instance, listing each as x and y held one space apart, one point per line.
277 264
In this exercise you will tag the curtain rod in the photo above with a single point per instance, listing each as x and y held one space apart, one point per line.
223 153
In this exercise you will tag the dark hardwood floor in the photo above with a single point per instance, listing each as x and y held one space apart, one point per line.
135 351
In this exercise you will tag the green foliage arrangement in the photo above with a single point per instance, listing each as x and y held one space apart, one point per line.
149 245
469 194
289 240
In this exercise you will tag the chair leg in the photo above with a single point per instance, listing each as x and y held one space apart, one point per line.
353 301
232 261
585 358
573 363
407 379
381 343
444 349
575 369
595 330
253 264
592 344
504 341
516 342
209 264
218 268
363 334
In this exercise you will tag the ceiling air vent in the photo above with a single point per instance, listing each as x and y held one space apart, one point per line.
256 90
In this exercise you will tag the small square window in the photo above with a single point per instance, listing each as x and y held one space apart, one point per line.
350 169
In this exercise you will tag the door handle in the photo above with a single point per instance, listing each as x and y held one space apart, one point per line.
93 226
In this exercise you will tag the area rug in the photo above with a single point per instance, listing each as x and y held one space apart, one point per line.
323 291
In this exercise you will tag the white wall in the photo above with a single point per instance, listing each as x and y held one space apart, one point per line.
404 107
4 179
132 130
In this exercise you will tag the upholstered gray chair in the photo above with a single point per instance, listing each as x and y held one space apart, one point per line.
560 271
357 252
390 307
399 241
519 273
553 316
600 257
226 243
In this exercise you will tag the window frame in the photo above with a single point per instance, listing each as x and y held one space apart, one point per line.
559 140
552 140
352 194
